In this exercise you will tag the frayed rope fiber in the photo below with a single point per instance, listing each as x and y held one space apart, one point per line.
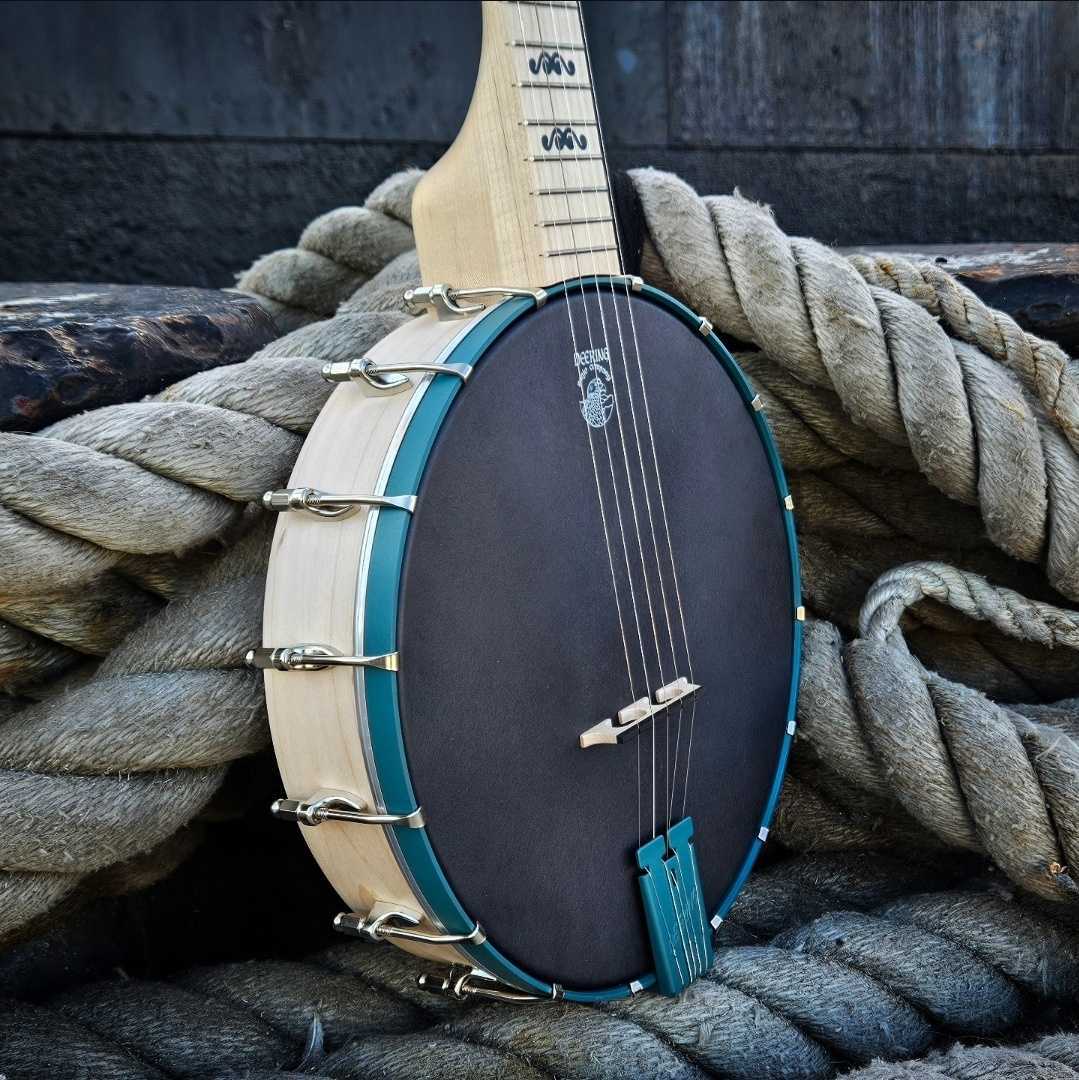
800 988
931 446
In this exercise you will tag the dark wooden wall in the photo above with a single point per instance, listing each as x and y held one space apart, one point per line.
173 141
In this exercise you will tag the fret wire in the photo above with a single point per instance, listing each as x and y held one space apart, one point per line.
566 160
577 251
533 85
569 191
536 35
546 3
546 122
573 221
547 45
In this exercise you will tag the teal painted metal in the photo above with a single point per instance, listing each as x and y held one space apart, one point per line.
379 620
674 909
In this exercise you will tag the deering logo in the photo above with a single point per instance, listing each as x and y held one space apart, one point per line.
594 381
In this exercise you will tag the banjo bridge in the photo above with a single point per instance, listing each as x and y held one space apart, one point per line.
611 732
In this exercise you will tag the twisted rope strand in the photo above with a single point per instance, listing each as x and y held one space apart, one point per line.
844 986
969 422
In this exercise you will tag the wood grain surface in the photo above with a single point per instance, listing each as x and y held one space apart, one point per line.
175 141
69 347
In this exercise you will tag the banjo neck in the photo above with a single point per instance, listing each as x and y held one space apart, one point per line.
522 196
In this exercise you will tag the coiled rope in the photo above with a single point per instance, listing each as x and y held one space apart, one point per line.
909 441
797 990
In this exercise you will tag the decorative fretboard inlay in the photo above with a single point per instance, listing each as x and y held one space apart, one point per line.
552 75
564 138
551 61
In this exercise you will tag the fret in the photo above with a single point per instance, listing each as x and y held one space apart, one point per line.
537 44
558 222
548 60
578 251
548 121
565 160
533 84
571 4
567 171
570 191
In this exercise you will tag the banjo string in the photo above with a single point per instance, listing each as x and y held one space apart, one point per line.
666 530
595 466
593 248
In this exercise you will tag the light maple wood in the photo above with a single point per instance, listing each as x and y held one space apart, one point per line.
311 591
480 214
487 214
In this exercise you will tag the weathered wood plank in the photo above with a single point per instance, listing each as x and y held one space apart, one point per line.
229 202
882 73
871 197
628 47
275 69
402 71
65 348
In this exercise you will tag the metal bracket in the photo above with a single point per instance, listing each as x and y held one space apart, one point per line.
324 504
388 378
463 983
399 925
442 299
340 808
313 658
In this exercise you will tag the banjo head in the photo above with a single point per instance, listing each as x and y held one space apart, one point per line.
537 504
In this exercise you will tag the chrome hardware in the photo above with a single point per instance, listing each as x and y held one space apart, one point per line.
763 834
571 191
442 299
532 84
534 44
705 328
323 504
463 983
800 613
716 921
635 283
792 727
757 403
313 658
339 808
578 251
381 928
389 378
788 502
610 732
562 222
557 121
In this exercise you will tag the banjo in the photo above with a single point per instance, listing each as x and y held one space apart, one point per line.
533 619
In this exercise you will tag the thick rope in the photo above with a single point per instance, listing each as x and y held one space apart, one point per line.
85 502
807 988
87 779
198 437
976 774
1046 370
1053 1057
973 425
52 570
114 510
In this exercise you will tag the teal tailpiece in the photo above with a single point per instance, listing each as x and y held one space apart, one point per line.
674 907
